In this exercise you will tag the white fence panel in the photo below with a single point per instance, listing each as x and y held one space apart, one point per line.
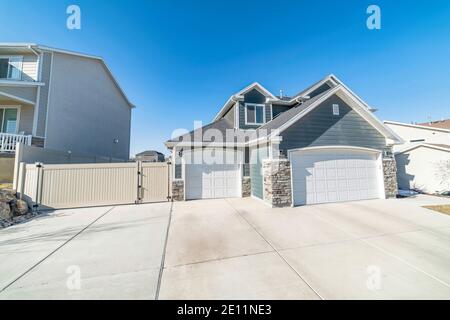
154 182
58 186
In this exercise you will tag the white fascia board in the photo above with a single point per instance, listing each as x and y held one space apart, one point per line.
260 88
17 98
240 96
356 105
415 126
336 79
317 85
14 83
424 145
44 48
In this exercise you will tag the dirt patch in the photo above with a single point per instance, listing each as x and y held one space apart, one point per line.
4 185
442 209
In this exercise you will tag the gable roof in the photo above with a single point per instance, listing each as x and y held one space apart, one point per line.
442 147
441 124
288 118
149 153
298 98
34 46
416 126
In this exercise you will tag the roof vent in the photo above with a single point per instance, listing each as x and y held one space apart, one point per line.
281 94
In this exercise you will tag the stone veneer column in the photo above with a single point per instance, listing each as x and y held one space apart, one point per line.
246 187
178 190
390 177
277 182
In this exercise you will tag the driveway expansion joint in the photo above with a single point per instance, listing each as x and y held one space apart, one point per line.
57 249
275 250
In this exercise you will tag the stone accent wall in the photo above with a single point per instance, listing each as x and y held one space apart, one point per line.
246 187
277 183
178 190
390 177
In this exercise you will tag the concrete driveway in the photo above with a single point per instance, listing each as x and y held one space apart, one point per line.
241 249
90 253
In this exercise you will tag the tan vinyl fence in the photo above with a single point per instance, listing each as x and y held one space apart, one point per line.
59 186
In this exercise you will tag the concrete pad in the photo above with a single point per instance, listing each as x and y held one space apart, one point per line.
24 245
362 219
209 230
103 287
288 227
411 210
125 246
423 249
260 276
345 271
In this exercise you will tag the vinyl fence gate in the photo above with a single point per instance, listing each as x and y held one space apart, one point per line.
60 186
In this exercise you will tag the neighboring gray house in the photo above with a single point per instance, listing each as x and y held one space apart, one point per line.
322 145
150 156
61 100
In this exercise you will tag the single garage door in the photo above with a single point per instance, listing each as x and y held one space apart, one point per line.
213 181
333 175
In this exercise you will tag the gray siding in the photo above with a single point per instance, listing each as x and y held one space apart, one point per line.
319 90
257 156
277 109
253 96
321 128
27 93
87 111
230 115
42 106
26 119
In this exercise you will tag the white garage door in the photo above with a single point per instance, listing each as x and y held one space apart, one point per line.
333 175
212 181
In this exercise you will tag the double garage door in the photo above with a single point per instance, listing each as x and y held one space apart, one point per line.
213 181
334 175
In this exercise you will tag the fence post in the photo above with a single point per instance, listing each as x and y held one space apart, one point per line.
138 182
20 184
39 176
17 160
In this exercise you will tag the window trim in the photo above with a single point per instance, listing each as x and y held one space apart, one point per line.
336 109
255 105
9 64
3 110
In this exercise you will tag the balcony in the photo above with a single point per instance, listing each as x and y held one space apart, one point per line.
9 141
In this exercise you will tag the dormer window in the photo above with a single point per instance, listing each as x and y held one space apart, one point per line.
11 67
254 114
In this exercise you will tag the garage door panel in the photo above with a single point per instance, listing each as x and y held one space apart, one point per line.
332 175
209 181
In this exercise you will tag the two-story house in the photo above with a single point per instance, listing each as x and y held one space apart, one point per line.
61 100
323 144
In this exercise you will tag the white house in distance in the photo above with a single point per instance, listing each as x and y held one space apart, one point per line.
423 161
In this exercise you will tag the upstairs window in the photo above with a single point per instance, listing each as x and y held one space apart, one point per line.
254 113
11 67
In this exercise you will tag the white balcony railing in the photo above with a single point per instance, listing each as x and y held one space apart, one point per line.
8 141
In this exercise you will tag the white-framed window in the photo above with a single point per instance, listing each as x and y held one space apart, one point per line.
11 67
9 119
335 109
255 113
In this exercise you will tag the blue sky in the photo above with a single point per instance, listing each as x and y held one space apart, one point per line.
179 61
